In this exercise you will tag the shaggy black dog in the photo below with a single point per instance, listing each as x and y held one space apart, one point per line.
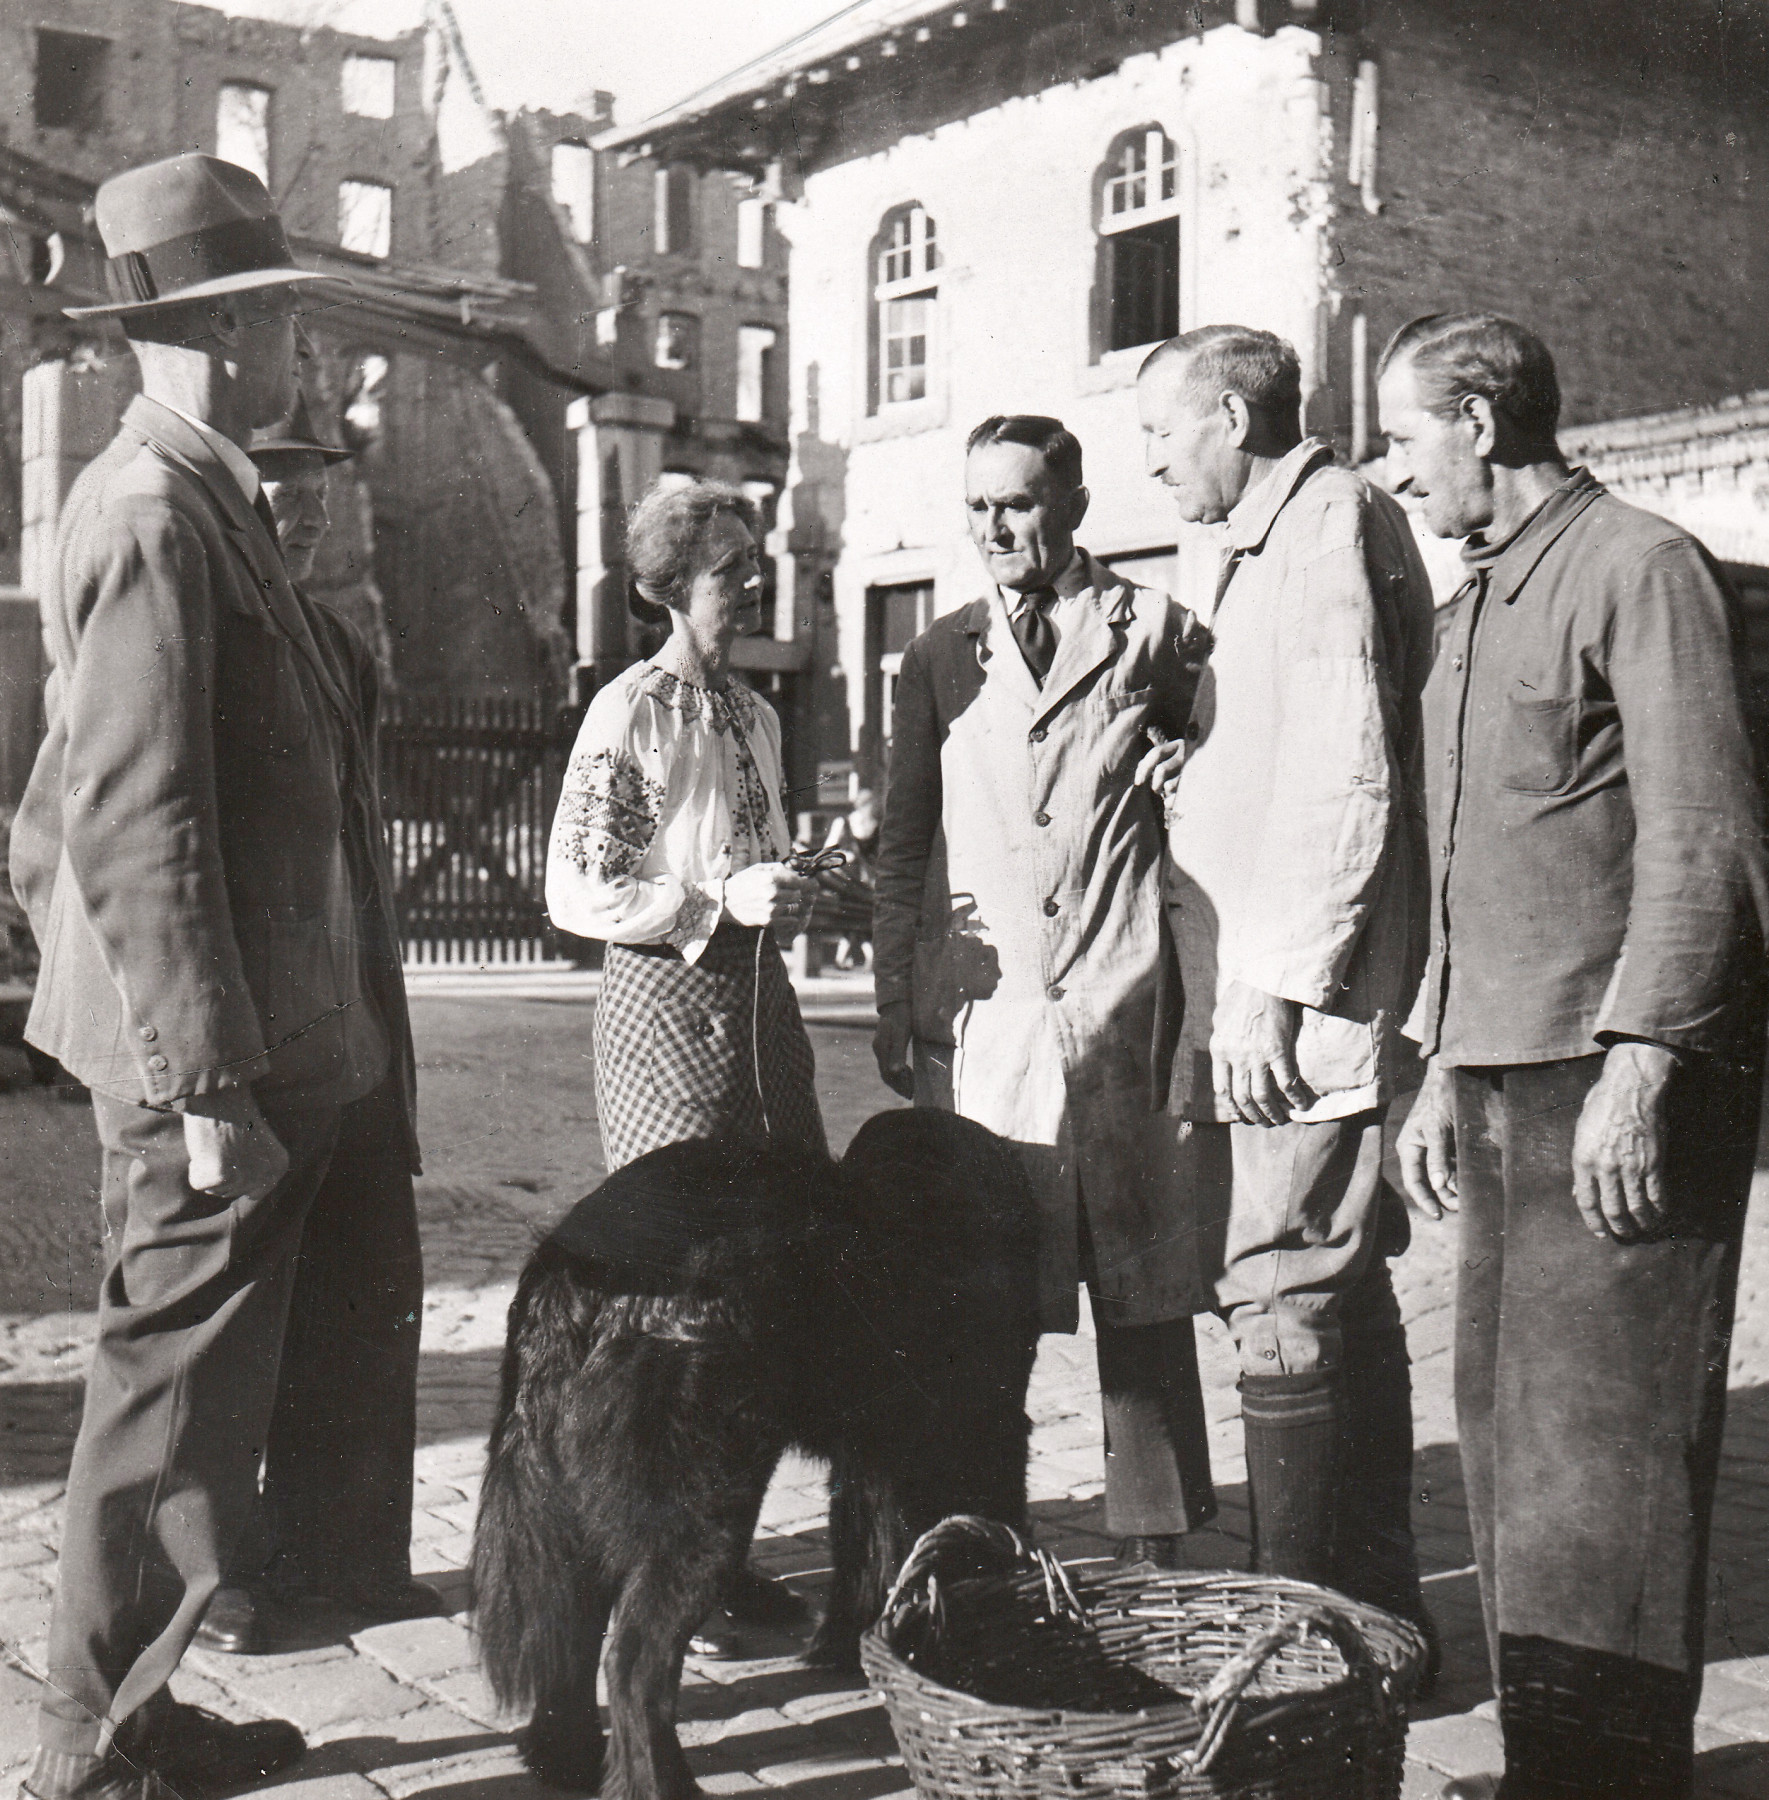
706 1307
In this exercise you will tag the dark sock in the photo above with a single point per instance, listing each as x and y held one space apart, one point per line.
1292 1431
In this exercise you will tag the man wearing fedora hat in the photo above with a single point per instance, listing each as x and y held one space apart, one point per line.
183 853
337 1494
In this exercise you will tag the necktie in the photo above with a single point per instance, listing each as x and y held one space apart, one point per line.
261 507
1034 633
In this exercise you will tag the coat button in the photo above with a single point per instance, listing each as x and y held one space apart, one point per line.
1191 732
705 1028
1042 818
158 1064
1039 734
148 1034
1054 993
1050 909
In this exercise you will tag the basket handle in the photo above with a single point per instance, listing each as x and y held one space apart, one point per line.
999 1544
1218 1702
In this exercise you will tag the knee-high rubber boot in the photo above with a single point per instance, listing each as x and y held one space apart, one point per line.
1292 1430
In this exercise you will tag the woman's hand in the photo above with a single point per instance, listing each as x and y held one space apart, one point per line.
767 893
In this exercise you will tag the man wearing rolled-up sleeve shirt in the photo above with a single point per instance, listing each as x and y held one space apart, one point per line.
1594 1014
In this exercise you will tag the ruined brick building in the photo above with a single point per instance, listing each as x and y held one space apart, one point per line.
536 329
997 205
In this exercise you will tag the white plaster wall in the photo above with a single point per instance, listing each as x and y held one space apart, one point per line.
1011 192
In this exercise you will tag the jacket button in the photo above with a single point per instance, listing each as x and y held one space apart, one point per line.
1042 818
158 1064
1191 732
1055 993
1039 734
1050 909
148 1034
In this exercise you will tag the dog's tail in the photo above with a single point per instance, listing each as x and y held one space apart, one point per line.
530 1570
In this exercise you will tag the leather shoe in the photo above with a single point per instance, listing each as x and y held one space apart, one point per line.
230 1622
716 1639
752 1598
198 1753
1164 1552
1471 1787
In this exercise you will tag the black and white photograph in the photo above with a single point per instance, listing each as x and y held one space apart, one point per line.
884 899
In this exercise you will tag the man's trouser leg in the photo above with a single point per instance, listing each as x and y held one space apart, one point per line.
1590 1395
1375 1557
178 1400
1301 1239
338 1471
1157 1439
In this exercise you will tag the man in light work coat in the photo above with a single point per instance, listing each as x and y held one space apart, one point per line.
1020 943
1594 1013
1297 836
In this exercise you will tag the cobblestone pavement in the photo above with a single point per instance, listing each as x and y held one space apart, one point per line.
509 1127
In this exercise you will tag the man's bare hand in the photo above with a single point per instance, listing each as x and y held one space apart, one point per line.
1253 1058
1160 768
890 1044
1427 1147
233 1153
1618 1150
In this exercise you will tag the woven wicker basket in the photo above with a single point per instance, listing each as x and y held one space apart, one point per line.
1000 1678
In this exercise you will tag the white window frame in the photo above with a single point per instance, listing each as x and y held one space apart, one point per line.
358 75
1121 206
752 232
754 342
686 360
352 192
907 269
252 120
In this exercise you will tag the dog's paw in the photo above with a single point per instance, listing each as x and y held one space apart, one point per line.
573 1764
833 1645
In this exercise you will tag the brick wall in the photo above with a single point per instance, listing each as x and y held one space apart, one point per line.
1600 170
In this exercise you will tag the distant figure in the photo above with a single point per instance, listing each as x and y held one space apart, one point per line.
184 854
337 1508
1594 1014
1021 954
671 844
1297 838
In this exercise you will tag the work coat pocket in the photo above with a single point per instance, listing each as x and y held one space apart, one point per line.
1538 752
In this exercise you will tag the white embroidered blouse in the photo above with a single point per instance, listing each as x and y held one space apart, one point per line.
671 789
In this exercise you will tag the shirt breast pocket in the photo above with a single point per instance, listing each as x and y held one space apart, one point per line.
1539 751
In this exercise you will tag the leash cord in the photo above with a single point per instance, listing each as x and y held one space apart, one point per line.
801 862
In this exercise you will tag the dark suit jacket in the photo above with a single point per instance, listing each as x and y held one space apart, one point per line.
180 848
360 678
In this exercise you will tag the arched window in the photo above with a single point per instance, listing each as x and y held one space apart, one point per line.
1137 287
906 295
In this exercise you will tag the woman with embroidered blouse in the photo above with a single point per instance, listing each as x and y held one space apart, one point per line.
670 844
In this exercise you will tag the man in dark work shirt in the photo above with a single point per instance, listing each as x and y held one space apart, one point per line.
1594 1017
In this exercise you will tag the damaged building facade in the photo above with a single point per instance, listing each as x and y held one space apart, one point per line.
998 206
535 330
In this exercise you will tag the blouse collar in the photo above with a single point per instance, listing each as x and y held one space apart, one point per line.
732 706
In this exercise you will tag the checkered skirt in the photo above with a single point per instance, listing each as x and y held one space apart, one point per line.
673 1048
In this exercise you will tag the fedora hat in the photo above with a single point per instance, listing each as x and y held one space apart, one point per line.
189 228
295 435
